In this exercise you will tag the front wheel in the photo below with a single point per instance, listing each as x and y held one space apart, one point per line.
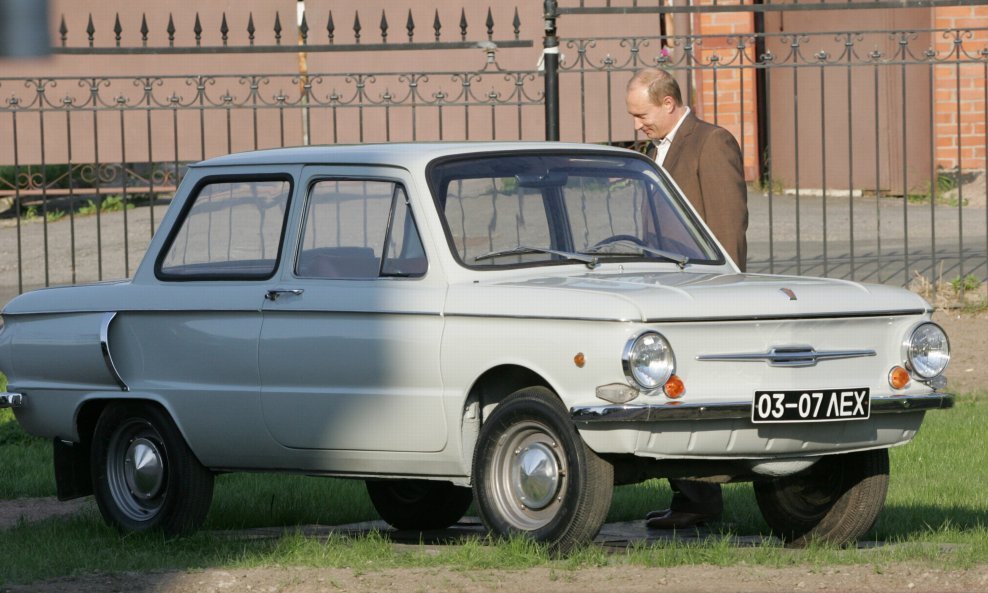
836 500
533 474
144 475
419 505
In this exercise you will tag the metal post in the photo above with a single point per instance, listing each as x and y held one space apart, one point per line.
550 57
761 98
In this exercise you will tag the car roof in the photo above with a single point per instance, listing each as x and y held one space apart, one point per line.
410 154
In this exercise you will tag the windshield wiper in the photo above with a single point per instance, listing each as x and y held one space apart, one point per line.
676 258
589 260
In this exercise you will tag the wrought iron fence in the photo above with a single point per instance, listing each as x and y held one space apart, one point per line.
839 130
90 161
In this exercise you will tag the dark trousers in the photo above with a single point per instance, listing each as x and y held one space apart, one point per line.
691 496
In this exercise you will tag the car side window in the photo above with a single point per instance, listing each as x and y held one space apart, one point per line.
351 225
233 230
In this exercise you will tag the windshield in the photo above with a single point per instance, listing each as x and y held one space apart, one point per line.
550 208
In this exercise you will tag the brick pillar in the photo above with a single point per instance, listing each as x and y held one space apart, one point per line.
725 94
961 94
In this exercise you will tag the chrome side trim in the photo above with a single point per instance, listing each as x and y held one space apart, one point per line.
664 412
787 356
11 400
104 344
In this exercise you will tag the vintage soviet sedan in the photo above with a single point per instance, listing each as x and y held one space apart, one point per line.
523 324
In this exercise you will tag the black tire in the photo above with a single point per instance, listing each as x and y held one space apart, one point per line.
836 500
566 504
419 505
170 492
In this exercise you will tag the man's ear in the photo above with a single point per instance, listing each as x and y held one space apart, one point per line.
668 103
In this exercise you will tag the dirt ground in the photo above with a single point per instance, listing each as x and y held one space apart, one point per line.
631 579
968 334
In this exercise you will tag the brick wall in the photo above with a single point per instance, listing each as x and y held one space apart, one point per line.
961 88
725 94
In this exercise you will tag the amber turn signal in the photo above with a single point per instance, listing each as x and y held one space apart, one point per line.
580 360
899 378
674 387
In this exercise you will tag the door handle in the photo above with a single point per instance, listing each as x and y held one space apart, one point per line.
274 293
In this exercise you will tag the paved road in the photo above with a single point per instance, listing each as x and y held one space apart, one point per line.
785 236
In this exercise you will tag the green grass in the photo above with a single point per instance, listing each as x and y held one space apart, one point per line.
946 181
25 462
966 283
936 514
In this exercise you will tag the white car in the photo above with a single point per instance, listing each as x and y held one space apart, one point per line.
521 324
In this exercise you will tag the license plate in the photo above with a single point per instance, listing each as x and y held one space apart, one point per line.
820 405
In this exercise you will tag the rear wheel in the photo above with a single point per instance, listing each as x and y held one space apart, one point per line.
144 475
419 505
836 500
534 475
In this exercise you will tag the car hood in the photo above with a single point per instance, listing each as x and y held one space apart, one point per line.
678 296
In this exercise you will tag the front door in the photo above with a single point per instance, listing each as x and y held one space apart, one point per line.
349 349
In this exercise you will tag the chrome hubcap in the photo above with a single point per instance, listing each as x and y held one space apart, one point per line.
143 469
528 476
535 475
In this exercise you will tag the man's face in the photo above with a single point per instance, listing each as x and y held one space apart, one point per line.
655 121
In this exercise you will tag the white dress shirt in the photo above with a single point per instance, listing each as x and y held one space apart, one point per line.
662 146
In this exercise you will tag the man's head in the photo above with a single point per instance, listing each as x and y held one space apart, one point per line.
655 102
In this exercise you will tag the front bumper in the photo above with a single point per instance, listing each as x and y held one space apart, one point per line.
11 400
673 411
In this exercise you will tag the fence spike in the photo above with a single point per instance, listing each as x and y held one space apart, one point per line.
63 31
303 28
410 25
90 29
171 30
117 29
250 27
490 23
197 29
356 25
277 27
384 27
144 28
517 24
224 29
330 26
437 25
463 24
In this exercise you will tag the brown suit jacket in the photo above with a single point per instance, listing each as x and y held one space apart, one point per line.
705 161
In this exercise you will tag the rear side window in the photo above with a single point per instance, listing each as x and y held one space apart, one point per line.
233 230
359 229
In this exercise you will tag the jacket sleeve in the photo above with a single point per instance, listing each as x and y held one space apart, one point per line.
725 195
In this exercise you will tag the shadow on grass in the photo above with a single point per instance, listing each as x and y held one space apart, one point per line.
901 522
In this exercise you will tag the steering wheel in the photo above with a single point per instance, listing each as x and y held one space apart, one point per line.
616 238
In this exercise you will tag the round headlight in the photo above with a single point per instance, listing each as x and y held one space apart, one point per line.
649 361
927 350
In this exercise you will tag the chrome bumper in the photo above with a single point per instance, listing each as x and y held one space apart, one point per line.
669 411
11 400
